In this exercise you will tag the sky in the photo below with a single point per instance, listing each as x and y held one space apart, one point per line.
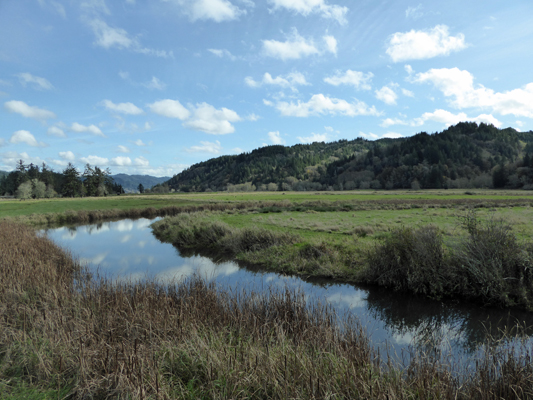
155 86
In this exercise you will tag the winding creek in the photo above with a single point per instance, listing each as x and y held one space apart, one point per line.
127 250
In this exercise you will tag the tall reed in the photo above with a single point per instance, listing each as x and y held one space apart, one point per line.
92 338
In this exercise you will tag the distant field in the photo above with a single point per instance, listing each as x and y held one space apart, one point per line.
363 195
16 208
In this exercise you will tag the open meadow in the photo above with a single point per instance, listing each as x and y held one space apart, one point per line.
68 334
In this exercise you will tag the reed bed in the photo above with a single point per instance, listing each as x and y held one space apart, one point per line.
67 334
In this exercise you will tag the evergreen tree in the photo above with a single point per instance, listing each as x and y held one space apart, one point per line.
71 187
499 176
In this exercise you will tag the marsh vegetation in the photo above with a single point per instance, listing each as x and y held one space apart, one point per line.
67 334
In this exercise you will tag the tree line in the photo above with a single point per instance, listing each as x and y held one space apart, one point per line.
33 181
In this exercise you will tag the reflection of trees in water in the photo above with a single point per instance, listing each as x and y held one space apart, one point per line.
95 227
433 322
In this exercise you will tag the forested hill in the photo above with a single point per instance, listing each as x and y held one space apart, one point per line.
463 156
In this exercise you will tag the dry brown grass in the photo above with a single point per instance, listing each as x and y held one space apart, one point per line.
62 328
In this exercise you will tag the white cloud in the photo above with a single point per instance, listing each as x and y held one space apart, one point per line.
95 160
407 93
252 117
170 109
92 129
222 53
419 45
358 79
25 137
202 117
139 142
108 37
208 119
315 137
295 47
331 44
320 104
123 149
27 111
206 147
165 170
414 12
155 83
8 160
306 7
216 10
121 161
56 131
67 155
2 142
370 135
392 121
36 81
287 81
124 108
447 118
488 119
386 95
392 135
141 162
275 138
458 85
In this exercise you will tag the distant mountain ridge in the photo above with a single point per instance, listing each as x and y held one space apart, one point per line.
130 183
462 156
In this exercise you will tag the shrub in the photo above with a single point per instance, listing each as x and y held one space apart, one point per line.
409 259
491 264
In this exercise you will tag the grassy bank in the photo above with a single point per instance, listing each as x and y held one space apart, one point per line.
441 253
64 331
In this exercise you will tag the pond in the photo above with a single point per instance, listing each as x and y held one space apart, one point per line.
127 250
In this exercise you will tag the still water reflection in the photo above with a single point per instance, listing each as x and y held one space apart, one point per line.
127 250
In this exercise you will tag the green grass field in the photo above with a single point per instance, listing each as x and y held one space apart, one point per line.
15 208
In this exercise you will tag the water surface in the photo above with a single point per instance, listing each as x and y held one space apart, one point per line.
127 250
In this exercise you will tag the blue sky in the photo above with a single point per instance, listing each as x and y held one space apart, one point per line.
152 87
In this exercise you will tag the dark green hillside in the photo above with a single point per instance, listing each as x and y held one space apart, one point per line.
463 156
303 164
